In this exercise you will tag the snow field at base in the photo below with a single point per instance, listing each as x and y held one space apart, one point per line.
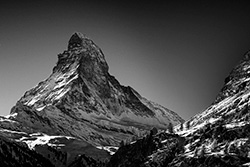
41 139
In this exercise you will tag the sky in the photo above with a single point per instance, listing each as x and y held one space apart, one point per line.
176 54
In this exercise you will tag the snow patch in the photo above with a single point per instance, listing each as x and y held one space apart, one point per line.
3 119
11 116
110 149
65 82
51 89
40 108
133 142
235 124
246 164
62 93
32 101
11 131
40 139
239 142
56 145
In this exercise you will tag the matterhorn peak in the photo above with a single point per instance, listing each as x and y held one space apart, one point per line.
81 99
83 60
77 40
83 51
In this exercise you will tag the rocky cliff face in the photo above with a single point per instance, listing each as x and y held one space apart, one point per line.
81 105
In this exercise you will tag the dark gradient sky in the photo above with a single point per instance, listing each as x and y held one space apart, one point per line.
176 54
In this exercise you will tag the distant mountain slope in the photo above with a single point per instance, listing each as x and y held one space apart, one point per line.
218 136
233 97
221 132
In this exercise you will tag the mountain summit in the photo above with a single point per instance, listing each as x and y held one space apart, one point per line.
80 100
76 40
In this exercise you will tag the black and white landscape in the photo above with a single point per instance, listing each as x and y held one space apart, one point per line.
83 115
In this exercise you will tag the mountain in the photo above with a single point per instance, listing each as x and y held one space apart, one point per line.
218 136
81 112
81 99
82 116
